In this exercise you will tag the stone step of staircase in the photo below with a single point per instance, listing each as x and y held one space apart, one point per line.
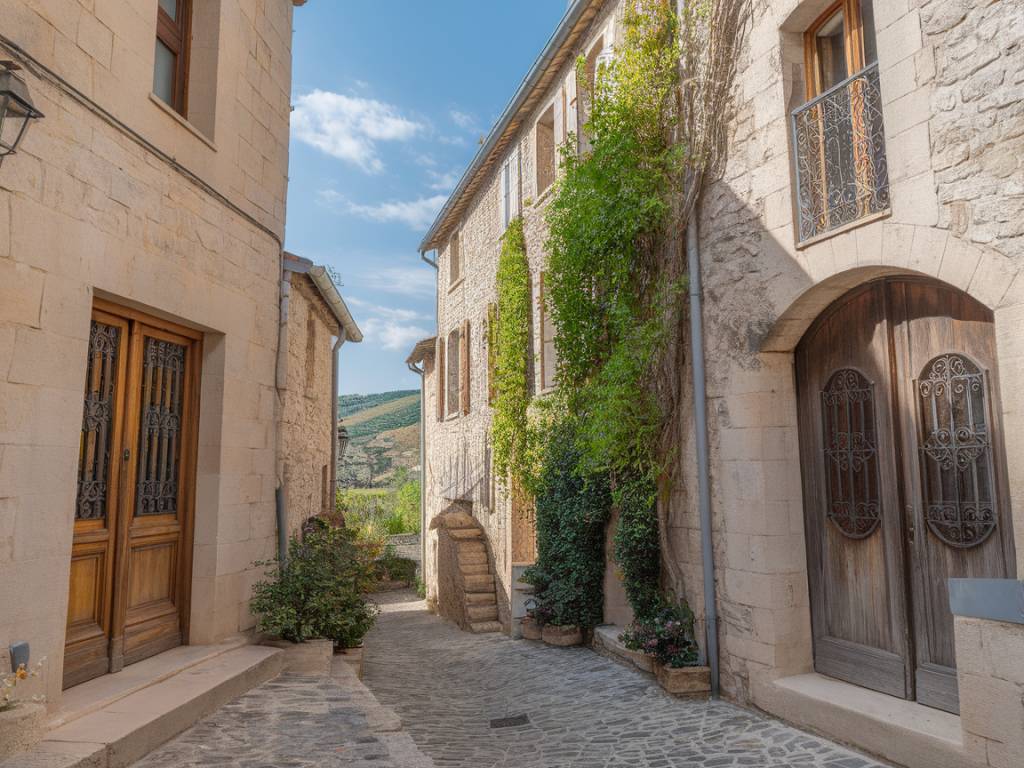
473 557
481 598
477 613
469 569
471 546
482 627
122 731
479 583
465 534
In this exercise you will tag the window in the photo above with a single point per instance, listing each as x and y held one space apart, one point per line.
548 358
492 352
585 96
509 189
841 167
454 260
453 373
545 149
170 70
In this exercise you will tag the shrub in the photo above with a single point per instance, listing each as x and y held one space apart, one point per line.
667 635
637 548
391 567
572 510
318 591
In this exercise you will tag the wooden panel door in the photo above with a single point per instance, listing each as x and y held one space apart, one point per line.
131 561
851 492
957 512
89 625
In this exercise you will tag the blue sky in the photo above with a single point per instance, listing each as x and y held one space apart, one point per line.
391 98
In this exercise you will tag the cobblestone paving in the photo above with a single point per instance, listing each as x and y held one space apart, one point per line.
295 722
583 709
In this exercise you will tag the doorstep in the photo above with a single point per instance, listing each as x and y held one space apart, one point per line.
117 727
901 731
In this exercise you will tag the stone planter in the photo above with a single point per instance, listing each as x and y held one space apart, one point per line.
353 657
531 629
312 657
684 680
562 636
21 727
642 661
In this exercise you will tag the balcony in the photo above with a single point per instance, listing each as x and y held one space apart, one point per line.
841 171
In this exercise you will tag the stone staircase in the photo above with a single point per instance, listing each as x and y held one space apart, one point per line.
466 589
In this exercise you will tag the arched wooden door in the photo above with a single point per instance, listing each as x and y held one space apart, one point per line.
904 476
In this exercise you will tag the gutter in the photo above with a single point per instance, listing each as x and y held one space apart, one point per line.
700 406
329 292
555 42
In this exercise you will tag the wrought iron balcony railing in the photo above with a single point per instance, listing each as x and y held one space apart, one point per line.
839 141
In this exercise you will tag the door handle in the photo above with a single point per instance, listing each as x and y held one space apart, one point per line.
910 523
127 454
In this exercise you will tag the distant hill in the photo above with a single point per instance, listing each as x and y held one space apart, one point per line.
383 431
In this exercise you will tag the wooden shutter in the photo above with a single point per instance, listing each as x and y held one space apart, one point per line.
513 184
464 367
492 352
439 373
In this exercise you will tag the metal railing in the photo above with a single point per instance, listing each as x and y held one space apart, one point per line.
841 170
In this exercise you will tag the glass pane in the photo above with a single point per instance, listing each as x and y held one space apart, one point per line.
170 7
867 19
831 48
164 70
160 414
97 421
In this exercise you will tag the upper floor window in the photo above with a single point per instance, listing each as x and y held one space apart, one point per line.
841 167
170 70
453 373
548 355
585 93
454 260
545 149
509 182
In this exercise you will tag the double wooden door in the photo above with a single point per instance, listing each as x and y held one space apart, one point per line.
904 475
131 556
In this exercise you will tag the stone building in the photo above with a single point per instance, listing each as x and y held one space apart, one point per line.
141 229
863 299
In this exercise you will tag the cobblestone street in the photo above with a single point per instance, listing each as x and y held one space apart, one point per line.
583 709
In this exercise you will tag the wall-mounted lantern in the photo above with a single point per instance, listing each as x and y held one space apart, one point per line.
16 109
342 442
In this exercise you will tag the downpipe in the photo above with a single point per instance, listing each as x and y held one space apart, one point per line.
423 463
700 406
281 382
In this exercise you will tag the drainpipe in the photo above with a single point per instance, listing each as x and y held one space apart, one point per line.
342 336
700 397
281 382
423 427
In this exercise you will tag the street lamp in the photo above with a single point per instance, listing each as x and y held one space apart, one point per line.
342 442
16 109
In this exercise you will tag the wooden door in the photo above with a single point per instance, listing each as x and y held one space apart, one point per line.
904 480
957 502
851 491
131 559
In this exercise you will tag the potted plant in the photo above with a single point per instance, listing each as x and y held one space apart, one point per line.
667 637
314 602
21 719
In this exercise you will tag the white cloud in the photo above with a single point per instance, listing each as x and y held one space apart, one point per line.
388 327
464 120
417 214
402 281
443 182
349 127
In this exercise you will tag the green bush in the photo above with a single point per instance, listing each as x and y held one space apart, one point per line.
382 512
572 511
318 592
637 549
667 635
391 567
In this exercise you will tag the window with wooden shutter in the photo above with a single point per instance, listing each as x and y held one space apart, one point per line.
464 368
170 67
509 184
454 259
548 358
439 372
492 352
453 374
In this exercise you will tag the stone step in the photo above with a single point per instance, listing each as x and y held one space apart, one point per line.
477 613
462 534
124 730
481 598
472 557
479 583
480 628
472 546
474 568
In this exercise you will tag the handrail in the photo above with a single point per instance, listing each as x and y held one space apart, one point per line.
834 89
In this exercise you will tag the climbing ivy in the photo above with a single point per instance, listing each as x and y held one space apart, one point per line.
510 430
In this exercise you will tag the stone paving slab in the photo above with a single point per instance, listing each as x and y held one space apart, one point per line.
583 710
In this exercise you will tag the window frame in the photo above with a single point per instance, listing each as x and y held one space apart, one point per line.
548 365
176 35
453 362
549 161
455 267
853 44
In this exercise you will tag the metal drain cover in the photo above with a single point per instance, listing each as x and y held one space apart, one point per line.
510 722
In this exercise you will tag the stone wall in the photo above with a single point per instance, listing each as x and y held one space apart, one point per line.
87 209
306 411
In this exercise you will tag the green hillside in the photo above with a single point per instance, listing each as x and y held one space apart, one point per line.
352 404
383 430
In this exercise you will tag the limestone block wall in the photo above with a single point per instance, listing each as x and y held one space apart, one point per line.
86 210
306 433
951 90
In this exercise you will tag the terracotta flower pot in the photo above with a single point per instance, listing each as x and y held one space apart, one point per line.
531 629
562 636
682 680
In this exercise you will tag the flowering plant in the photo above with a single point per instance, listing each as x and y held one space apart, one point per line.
10 681
667 636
